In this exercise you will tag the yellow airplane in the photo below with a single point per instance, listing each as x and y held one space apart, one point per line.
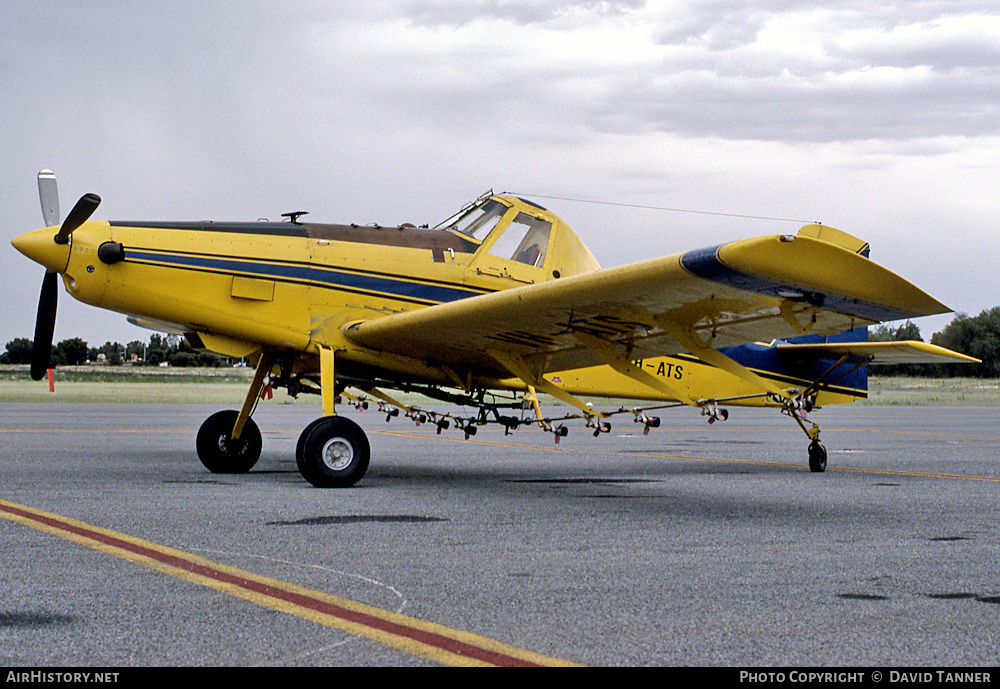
499 302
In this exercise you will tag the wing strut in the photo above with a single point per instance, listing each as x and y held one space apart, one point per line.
532 398
686 337
608 354
821 382
520 368
375 392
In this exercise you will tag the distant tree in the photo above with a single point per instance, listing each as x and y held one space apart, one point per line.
56 356
906 332
881 333
183 359
112 352
184 355
73 352
158 349
977 336
135 350
207 359
19 351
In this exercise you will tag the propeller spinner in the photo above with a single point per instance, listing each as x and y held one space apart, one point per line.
51 257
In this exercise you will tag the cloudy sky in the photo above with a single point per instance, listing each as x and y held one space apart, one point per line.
882 121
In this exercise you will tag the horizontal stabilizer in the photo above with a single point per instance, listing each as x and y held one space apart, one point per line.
903 352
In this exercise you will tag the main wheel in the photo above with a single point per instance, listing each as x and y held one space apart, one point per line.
817 457
219 452
333 452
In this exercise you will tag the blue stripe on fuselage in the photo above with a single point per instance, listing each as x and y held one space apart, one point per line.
395 286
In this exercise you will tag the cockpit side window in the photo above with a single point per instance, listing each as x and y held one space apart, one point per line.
477 221
525 240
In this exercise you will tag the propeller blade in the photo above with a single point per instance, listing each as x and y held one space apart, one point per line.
81 212
48 194
45 325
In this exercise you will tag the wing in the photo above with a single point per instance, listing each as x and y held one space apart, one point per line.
752 290
902 352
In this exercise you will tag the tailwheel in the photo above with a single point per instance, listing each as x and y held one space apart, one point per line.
817 456
333 452
219 452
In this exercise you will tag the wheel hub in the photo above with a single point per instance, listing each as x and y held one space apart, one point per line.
337 454
229 447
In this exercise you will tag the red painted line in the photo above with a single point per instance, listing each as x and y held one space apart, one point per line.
425 637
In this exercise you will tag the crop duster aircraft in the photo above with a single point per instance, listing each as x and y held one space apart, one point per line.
492 306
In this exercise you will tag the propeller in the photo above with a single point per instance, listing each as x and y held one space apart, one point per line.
48 194
45 325
45 320
81 212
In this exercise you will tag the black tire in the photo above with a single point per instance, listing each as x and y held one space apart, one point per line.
817 457
219 453
333 452
300 445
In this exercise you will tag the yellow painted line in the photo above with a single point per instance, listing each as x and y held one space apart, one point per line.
416 637
923 433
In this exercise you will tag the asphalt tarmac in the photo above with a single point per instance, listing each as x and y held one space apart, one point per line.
696 545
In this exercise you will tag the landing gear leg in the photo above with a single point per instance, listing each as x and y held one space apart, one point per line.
229 442
332 452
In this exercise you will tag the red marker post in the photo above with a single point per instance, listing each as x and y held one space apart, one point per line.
52 380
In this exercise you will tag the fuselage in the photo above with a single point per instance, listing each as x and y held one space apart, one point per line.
237 288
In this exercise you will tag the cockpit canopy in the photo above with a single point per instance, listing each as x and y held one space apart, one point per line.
516 230
524 238
476 220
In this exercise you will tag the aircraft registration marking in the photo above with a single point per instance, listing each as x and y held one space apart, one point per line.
664 368
417 637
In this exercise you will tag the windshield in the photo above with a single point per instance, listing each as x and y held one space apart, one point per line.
477 221
525 240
